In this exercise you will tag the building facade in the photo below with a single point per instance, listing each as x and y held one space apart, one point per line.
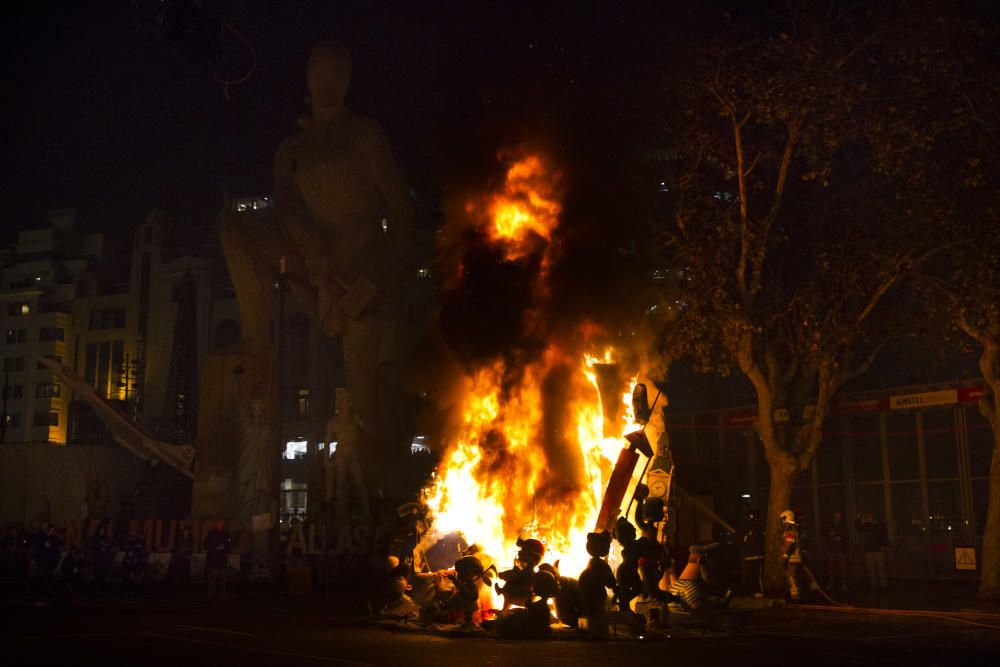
39 277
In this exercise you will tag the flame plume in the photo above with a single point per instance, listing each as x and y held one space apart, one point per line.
529 456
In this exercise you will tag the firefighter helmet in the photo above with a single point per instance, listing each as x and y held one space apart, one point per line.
788 516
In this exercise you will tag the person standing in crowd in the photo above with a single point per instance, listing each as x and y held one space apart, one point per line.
876 541
180 560
70 572
134 563
753 553
836 552
47 554
218 543
15 553
101 557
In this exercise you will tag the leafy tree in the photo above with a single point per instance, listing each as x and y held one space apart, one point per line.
805 193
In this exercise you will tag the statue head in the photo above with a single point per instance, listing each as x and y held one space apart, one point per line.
328 74
342 401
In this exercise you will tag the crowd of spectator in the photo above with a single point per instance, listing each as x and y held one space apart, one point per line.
40 561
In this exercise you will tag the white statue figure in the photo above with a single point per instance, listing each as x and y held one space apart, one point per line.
345 428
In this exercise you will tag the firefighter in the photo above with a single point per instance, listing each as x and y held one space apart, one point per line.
791 552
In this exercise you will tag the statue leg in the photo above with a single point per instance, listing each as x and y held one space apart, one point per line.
361 347
359 485
252 271
253 247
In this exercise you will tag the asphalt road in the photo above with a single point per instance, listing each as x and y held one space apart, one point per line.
118 632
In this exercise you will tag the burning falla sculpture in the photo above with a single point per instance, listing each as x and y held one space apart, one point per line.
339 231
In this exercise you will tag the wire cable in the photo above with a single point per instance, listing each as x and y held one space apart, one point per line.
253 64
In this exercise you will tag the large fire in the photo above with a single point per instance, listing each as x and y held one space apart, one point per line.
530 456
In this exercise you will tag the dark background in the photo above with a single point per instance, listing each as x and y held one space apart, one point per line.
105 113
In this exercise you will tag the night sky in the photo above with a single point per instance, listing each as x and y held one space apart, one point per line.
105 114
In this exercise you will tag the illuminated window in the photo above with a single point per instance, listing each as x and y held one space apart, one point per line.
302 403
13 421
17 309
419 445
17 336
295 449
423 273
47 390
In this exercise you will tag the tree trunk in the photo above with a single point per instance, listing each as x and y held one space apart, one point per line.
783 474
989 579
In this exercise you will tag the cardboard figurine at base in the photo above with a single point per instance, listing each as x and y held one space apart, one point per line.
535 620
339 226
568 597
595 579
649 512
627 575
472 582
517 580
690 588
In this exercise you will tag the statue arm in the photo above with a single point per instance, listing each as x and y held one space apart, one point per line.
287 200
392 187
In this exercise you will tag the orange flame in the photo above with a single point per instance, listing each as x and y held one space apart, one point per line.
527 208
505 476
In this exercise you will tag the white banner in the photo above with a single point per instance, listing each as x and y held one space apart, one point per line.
909 401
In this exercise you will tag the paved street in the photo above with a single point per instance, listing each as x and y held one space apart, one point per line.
192 632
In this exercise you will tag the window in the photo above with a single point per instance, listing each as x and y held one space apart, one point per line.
13 421
18 309
944 502
907 509
46 334
901 441
14 391
832 499
830 457
296 449
13 364
302 405
47 390
46 419
17 336
870 498
939 443
107 318
866 448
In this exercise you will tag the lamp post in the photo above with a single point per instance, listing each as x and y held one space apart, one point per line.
280 285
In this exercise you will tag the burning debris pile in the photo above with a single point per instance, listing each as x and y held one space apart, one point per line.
542 462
